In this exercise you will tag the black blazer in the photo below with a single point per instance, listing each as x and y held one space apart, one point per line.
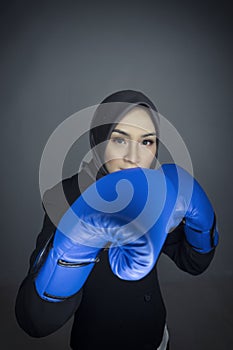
109 313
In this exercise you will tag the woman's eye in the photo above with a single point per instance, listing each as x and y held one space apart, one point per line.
119 140
147 142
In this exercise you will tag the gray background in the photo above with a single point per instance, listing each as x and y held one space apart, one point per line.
59 57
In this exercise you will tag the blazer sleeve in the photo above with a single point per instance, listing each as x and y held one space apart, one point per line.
185 257
38 317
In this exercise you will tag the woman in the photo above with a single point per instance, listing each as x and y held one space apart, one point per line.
109 312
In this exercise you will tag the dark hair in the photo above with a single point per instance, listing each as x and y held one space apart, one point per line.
109 112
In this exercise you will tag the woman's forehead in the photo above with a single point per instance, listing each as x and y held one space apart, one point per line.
137 118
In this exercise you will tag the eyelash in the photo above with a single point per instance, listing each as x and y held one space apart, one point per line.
120 140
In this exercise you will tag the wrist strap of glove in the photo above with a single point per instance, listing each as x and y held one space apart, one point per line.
202 241
58 279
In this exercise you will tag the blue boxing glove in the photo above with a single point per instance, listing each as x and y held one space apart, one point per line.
134 259
194 209
81 234
72 257
115 211
184 201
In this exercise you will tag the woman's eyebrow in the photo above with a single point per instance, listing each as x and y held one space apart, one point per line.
121 132
150 134
126 134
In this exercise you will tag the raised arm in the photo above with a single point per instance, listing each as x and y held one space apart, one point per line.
192 244
36 316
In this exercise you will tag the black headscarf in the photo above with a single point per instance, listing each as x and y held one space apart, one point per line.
107 116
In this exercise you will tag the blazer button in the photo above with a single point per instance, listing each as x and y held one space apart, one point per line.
147 297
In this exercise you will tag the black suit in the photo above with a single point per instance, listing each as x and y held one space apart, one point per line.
109 313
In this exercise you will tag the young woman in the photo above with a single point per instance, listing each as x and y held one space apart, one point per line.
111 312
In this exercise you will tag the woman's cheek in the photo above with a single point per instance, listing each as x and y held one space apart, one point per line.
147 157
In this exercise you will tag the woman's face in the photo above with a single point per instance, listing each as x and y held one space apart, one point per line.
132 142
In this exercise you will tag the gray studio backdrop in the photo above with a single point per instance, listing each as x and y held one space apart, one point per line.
60 57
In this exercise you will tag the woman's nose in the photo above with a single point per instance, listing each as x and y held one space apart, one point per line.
132 153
